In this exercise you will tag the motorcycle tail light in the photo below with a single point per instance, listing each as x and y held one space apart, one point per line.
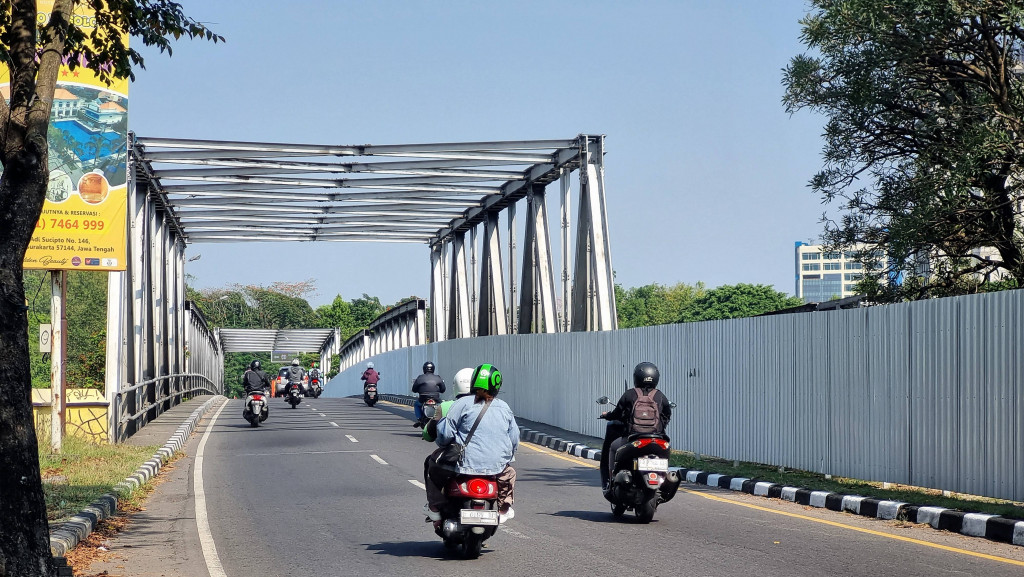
476 488
641 443
257 397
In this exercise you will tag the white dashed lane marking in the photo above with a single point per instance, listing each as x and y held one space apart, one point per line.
333 423
322 415
351 438
378 459
418 484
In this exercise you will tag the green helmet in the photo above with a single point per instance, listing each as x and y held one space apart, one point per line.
486 377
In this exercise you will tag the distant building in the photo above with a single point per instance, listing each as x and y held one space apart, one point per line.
823 276
106 113
65 104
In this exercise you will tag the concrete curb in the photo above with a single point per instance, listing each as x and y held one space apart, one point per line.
73 531
992 527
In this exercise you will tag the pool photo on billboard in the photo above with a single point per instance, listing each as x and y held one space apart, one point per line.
88 133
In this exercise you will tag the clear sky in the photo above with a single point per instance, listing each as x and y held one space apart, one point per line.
706 174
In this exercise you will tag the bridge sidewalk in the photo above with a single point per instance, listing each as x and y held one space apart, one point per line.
157 431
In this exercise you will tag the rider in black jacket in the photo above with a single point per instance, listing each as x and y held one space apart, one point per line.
426 386
645 378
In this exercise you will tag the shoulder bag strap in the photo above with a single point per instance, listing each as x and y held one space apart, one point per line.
477 422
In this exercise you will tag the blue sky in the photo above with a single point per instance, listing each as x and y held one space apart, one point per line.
706 174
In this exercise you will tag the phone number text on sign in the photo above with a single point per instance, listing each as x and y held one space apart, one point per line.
70 224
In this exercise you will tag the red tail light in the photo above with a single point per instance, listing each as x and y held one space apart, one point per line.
641 443
257 397
474 487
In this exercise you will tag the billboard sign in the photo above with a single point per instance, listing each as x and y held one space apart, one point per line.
284 357
83 225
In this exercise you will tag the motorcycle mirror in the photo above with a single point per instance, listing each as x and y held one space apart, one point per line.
673 405
602 401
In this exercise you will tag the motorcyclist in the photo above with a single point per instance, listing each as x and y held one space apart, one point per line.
426 386
296 374
645 379
254 380
314 374
460 382
491 449
370 376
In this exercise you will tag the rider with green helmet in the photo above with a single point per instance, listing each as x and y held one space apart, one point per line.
491 449
461 383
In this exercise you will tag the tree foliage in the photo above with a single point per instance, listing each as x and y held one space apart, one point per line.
924 101
736 301
654 304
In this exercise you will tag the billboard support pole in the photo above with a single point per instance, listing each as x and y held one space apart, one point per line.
59 321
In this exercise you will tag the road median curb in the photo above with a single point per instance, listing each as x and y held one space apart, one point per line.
70 533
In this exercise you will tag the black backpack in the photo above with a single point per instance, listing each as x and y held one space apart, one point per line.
646 417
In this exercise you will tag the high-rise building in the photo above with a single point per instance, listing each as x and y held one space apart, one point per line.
825 275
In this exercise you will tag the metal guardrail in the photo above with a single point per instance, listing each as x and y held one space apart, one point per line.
152 395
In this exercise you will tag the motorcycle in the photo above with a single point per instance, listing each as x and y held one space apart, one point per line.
294 396
370 395
640 479
428 405
315 388
470 515
256 410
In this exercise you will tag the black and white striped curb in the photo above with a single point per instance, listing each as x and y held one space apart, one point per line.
73 531
993 527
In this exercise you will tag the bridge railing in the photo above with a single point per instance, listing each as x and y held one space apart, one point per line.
928 393
135 402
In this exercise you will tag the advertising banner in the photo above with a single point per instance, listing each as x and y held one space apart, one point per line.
84 220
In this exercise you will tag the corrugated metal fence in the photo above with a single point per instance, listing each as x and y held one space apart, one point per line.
928 393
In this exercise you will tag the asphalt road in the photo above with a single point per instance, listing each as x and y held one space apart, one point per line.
330 488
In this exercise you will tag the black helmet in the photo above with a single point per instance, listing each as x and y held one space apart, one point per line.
428 367
255 365
646 375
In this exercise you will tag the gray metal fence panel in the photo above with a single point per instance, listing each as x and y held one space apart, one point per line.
926 393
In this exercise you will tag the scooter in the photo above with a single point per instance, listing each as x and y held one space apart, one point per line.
315 389
640 479
428 406
256 410
470 515
370 395
294 396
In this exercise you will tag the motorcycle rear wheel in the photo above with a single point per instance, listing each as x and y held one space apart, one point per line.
618 510
472 545
254 422
645 511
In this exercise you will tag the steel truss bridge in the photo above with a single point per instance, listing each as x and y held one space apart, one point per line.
455 198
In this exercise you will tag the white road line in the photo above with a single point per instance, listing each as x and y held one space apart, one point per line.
418 484
333 423
213 564
278 453
351 438
378 459
322 415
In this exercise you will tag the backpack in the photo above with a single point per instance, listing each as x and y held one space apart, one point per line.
646 416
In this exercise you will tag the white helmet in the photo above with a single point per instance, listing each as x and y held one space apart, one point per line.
295 362
369 365
462 380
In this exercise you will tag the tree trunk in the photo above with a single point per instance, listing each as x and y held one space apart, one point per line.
24 531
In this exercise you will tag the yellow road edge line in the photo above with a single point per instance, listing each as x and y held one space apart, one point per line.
579 461
858 529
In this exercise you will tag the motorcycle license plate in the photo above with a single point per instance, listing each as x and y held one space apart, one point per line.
478 517
371 394
652 464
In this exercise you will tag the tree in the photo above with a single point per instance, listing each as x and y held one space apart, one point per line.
654 304
737 301
924 101
34 52
365 309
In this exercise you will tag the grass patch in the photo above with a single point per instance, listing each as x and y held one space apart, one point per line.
818 482
83 472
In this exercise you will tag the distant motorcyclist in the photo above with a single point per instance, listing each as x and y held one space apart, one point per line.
296 374
461 383
645 382
426 386
256 381
370 376
314 372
